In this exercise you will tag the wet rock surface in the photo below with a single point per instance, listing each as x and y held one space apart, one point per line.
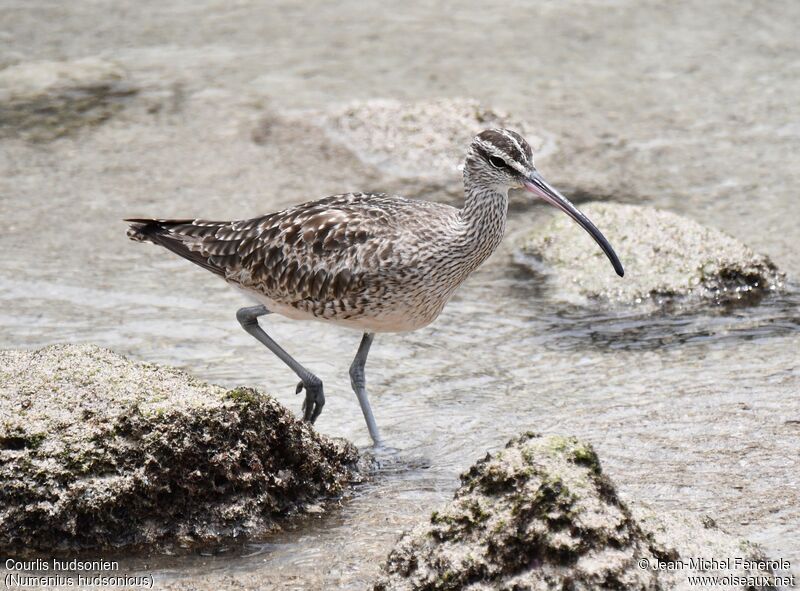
669 259
540 514
98 451
45 100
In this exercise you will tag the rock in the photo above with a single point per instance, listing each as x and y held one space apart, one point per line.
425 139
668 259
44 100
415 148
98 451
540 515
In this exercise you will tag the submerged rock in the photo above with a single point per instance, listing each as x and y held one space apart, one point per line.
100 451
541 515
668 259
44 100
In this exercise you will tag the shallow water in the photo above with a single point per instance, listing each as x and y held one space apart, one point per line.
697 411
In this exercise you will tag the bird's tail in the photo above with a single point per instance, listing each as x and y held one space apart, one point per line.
183 237
143 230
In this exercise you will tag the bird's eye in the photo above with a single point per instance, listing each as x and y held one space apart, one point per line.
497 162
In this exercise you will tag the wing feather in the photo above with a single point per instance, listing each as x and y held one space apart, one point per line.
318 254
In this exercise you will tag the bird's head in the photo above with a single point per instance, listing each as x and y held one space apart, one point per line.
501 159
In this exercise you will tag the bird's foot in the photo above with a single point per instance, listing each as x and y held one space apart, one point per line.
315 399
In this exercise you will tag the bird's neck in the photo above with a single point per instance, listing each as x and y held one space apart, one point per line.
483 219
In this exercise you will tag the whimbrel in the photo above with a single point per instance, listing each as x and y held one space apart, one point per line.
371 262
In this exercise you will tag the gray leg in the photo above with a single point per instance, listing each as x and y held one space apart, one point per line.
315 399
359 382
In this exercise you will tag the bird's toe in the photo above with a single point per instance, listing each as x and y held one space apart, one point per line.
314 401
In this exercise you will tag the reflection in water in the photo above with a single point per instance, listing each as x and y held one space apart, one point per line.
632 330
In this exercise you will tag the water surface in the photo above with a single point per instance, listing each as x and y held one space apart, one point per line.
697 411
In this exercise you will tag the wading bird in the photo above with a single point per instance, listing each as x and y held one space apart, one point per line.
371 262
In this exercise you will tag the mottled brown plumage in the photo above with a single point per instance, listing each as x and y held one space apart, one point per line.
368 261
340 258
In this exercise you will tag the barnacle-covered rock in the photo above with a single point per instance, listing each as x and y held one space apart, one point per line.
668 259
100 451
541 515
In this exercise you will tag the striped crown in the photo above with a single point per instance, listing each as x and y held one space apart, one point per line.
507 145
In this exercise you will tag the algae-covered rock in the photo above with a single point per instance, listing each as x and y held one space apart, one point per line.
44 100
100 451
541 515
668 259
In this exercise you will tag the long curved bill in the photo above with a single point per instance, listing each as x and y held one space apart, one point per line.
539 187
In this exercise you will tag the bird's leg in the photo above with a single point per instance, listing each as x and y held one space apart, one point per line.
359 382
315 399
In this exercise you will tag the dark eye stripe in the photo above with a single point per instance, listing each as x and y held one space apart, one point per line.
500 163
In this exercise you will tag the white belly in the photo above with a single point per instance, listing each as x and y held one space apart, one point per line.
401 319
